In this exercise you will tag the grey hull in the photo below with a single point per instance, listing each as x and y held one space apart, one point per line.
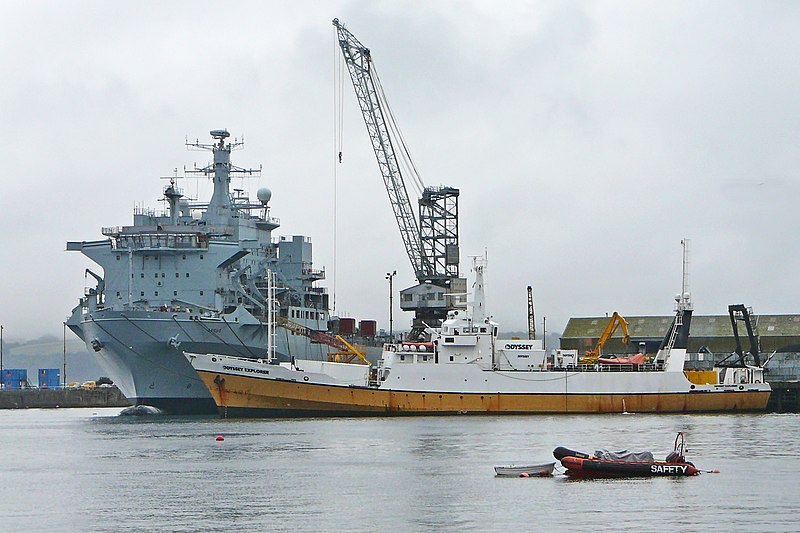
142 352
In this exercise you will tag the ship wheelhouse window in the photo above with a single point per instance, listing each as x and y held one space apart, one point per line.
402 357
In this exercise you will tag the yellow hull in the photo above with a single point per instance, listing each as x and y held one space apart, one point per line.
248 396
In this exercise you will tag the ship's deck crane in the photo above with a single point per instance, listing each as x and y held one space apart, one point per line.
740 313
590 357
432 246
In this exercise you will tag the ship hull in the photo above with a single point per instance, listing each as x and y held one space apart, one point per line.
142 353
290 394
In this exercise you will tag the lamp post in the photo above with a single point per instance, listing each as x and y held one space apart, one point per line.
390 276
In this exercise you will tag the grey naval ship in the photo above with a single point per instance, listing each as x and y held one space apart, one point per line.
194 279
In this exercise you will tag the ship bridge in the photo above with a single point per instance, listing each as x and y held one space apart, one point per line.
152 239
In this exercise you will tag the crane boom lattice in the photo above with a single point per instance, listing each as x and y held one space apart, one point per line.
369 95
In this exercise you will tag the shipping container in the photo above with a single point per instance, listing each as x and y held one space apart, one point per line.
368 328
49 378
333 324
347 326
15 378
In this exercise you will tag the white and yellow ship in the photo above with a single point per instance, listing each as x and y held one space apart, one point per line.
466 369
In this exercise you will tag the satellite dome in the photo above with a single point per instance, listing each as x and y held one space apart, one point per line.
264 195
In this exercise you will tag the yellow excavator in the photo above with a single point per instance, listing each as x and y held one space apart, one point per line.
590 357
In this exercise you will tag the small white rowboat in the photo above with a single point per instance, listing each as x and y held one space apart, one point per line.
545 469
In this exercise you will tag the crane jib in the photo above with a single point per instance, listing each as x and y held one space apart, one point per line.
357 57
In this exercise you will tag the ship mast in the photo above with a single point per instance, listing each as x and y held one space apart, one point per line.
220 208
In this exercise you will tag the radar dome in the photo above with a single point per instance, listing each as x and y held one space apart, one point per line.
264 195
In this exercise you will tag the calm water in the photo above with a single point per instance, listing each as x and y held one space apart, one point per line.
90 470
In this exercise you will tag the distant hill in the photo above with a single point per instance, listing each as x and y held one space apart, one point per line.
48 352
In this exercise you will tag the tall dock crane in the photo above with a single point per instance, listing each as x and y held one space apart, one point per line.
432 245
531 317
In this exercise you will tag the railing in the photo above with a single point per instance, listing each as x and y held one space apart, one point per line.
168 241
603 367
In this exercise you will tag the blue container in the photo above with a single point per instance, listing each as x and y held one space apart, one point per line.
49 378
15 378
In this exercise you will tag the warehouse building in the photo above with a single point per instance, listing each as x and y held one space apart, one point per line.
711 338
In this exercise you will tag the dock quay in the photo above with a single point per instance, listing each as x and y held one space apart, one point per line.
785 397
62 397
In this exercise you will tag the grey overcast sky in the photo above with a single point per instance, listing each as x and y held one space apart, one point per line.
587 138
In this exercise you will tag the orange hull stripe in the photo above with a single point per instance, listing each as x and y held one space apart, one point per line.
249 393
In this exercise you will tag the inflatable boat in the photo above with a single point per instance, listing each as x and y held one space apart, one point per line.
625 463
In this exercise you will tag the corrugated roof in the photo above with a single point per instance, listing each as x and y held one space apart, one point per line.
702 326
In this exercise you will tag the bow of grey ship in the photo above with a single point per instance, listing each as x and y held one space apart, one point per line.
193 278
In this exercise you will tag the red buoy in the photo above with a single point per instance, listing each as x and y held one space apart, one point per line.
220 438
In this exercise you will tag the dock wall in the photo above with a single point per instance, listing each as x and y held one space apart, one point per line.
48 398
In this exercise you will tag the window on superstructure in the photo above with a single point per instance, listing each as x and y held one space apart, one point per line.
141 275
187 274
156 293
162 274
201 293
117 294
142 293
174 293
155 275
177 275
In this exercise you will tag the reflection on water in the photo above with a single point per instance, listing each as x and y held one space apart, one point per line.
88 469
